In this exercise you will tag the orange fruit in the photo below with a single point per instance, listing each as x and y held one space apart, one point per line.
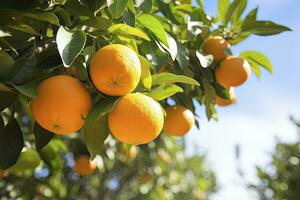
136 119
233 71
225 102
2 173
115 70
61 105
216 46
84 166
179 120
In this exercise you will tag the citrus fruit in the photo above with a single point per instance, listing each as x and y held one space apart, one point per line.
26 163
136 119
216 46
84 166
233 71
179 120
61 105
225 102
115 70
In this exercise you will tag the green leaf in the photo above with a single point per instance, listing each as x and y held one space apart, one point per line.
70 44
125 30
144 5
172 49
165 9
264 28
223 6
42 136
205 61
63 15
252 15
101 23
16 4
11 144
100 109
235 11
116 7
164 91
29 88
145 75
210 95
154 26
257 58
42 16
95 134
255 68
168 78
74 7
6 63
182 56
7 97
23 28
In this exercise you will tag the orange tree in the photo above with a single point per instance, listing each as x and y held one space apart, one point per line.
98 68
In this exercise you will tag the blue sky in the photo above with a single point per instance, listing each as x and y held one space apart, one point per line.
262 112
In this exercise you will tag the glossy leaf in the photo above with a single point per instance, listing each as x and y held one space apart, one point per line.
7 97
11 144
235 10
70 44
29 88
164 91
223 6
154 26
116 7
264 28
42 136
168 78
146 75
126 31
252 15
258 58
6 63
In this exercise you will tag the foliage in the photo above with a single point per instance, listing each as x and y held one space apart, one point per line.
281 178
42 38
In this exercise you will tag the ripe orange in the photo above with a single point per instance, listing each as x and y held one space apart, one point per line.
216 46
62 104
179 120
83 166
136 119
115 70
233 71
2 173
225 102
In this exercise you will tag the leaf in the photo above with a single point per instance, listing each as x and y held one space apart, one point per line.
116 7
235 11
182 56
74 7
11 144
154 26
41 16
145 5
223 6
210 95
168 78
29 88
145 75
255 68
258 58
165 9
7 97
172 49
70 44
164 91
252 15
101 23
100 109
16 4
42 136
23 28
6 63
125 30
95 134
205 61
264 28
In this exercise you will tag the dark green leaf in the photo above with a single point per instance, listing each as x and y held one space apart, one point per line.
116 7
6 63
42 136
264 28
101 23
19 5
7 97
223 6
182 56
252 15
100 109
235 10
11 144
29 88
144 5
258 58
164 91
41 16
154 26
210 95
168 78
125 30
95 134
70 44
74 7
165 9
